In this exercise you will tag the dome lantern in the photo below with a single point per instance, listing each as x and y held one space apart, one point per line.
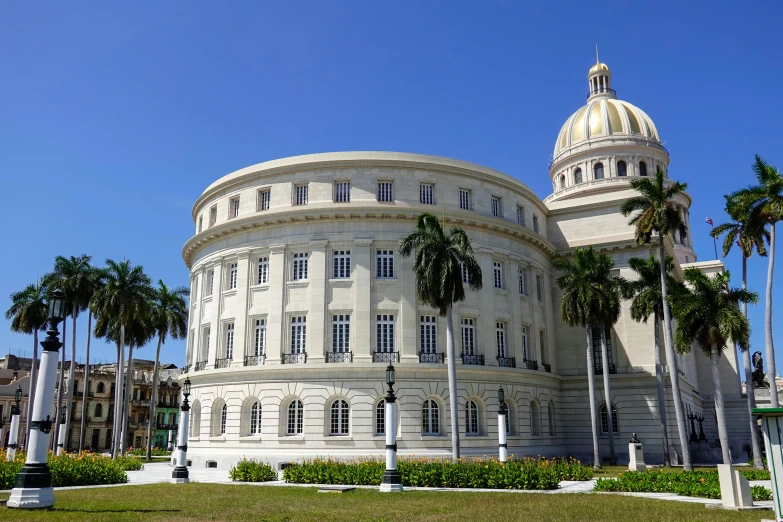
600 79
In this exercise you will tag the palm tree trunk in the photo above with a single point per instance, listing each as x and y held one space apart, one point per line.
758 463
667 461
724 439
451 361
31 393
86 382
126 402
153 399
591 396
671 361
118 393
71 381
56 415
770 347
608 396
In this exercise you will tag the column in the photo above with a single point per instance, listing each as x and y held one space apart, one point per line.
244 278
514 333
362 332
408 323
316 319
276 325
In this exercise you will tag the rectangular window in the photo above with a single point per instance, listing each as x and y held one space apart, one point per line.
539 288
259 337
341 264
342 191
200 222
300 195
535 223
497 207
300 267
205 343
428 332
263 271
465 277
384 264
521 216
233 207
425 194
232 276
522 282
524 342
210 286
298 334
497 275
264 199
468 337
229 341
542 343
385 191
341 327
384 333
500 338
464 199
212 216
597 358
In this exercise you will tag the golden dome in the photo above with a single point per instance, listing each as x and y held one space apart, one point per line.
599 66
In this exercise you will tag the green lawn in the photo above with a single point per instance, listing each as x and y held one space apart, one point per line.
294 504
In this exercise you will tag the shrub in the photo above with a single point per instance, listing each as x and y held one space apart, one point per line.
755 474
532 474
704 484
763 459
9 470
142 452
129 463
68 469
252 471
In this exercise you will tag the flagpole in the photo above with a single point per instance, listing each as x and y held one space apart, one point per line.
714 240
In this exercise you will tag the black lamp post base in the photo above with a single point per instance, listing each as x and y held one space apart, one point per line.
33 488
180 475
391 481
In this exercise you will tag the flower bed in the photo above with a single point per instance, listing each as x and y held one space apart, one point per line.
68 469
252 471
531 474
703 484
142 452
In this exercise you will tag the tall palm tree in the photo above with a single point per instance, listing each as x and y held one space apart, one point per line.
169 316
748 234
438 266
95 281
591 299
28 313
707 313
124 298
653 213
647 301
765 202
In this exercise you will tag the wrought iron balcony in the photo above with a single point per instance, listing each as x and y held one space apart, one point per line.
140 402
387 357
295 358
186 369
473 359
507 362
223 363
435 358
200 365
547 367
169 427
254 360
339 357
531 365
599 368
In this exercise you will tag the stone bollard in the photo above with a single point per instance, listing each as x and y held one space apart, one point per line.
734 488
636 455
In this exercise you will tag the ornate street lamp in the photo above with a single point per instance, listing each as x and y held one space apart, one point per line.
502 412
61 437
13 435
34 482
391 481
180 474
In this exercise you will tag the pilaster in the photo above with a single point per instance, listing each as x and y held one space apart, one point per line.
275 333
316 319
408 324
362 344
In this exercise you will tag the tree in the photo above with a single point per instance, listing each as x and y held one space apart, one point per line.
95 283
765 203
28 313
653 213
707 314
591 299
440 258
169 316
748 234
124 299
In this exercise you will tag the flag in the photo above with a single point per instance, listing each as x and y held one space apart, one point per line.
709 221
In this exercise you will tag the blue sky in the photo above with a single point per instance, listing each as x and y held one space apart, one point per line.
114 116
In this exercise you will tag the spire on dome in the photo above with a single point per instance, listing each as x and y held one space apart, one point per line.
600 79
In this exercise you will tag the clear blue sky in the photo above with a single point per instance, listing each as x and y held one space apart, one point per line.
114 116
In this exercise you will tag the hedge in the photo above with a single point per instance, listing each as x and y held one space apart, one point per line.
704 484
68 469
252 471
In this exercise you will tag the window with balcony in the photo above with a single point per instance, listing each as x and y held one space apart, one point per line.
298 334
342 191
229 349
428 334
468 336
341 333
384 333
500 339
259 338
524 343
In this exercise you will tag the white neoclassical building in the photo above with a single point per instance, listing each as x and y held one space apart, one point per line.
300 299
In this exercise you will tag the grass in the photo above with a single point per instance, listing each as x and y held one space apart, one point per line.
295 504
614 471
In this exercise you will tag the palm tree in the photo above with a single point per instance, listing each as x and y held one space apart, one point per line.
95 281
591 299
28 313
169 316
440 258
123 298
749 235
656 215
707 313
648 301
765 202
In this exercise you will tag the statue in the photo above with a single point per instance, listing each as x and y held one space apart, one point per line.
759 380
634 440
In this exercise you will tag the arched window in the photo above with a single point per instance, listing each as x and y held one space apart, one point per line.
430 418
535 418
255 419
577 176
642 168
471 418
622 168
380 418
562 182
598 171
223 416
195 420
339 418
605 420
295 418
101 387
161 418
551 412
98 410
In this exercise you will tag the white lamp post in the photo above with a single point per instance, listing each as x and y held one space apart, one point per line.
34 482
13 435
180 474
391 481
502 412
61 437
